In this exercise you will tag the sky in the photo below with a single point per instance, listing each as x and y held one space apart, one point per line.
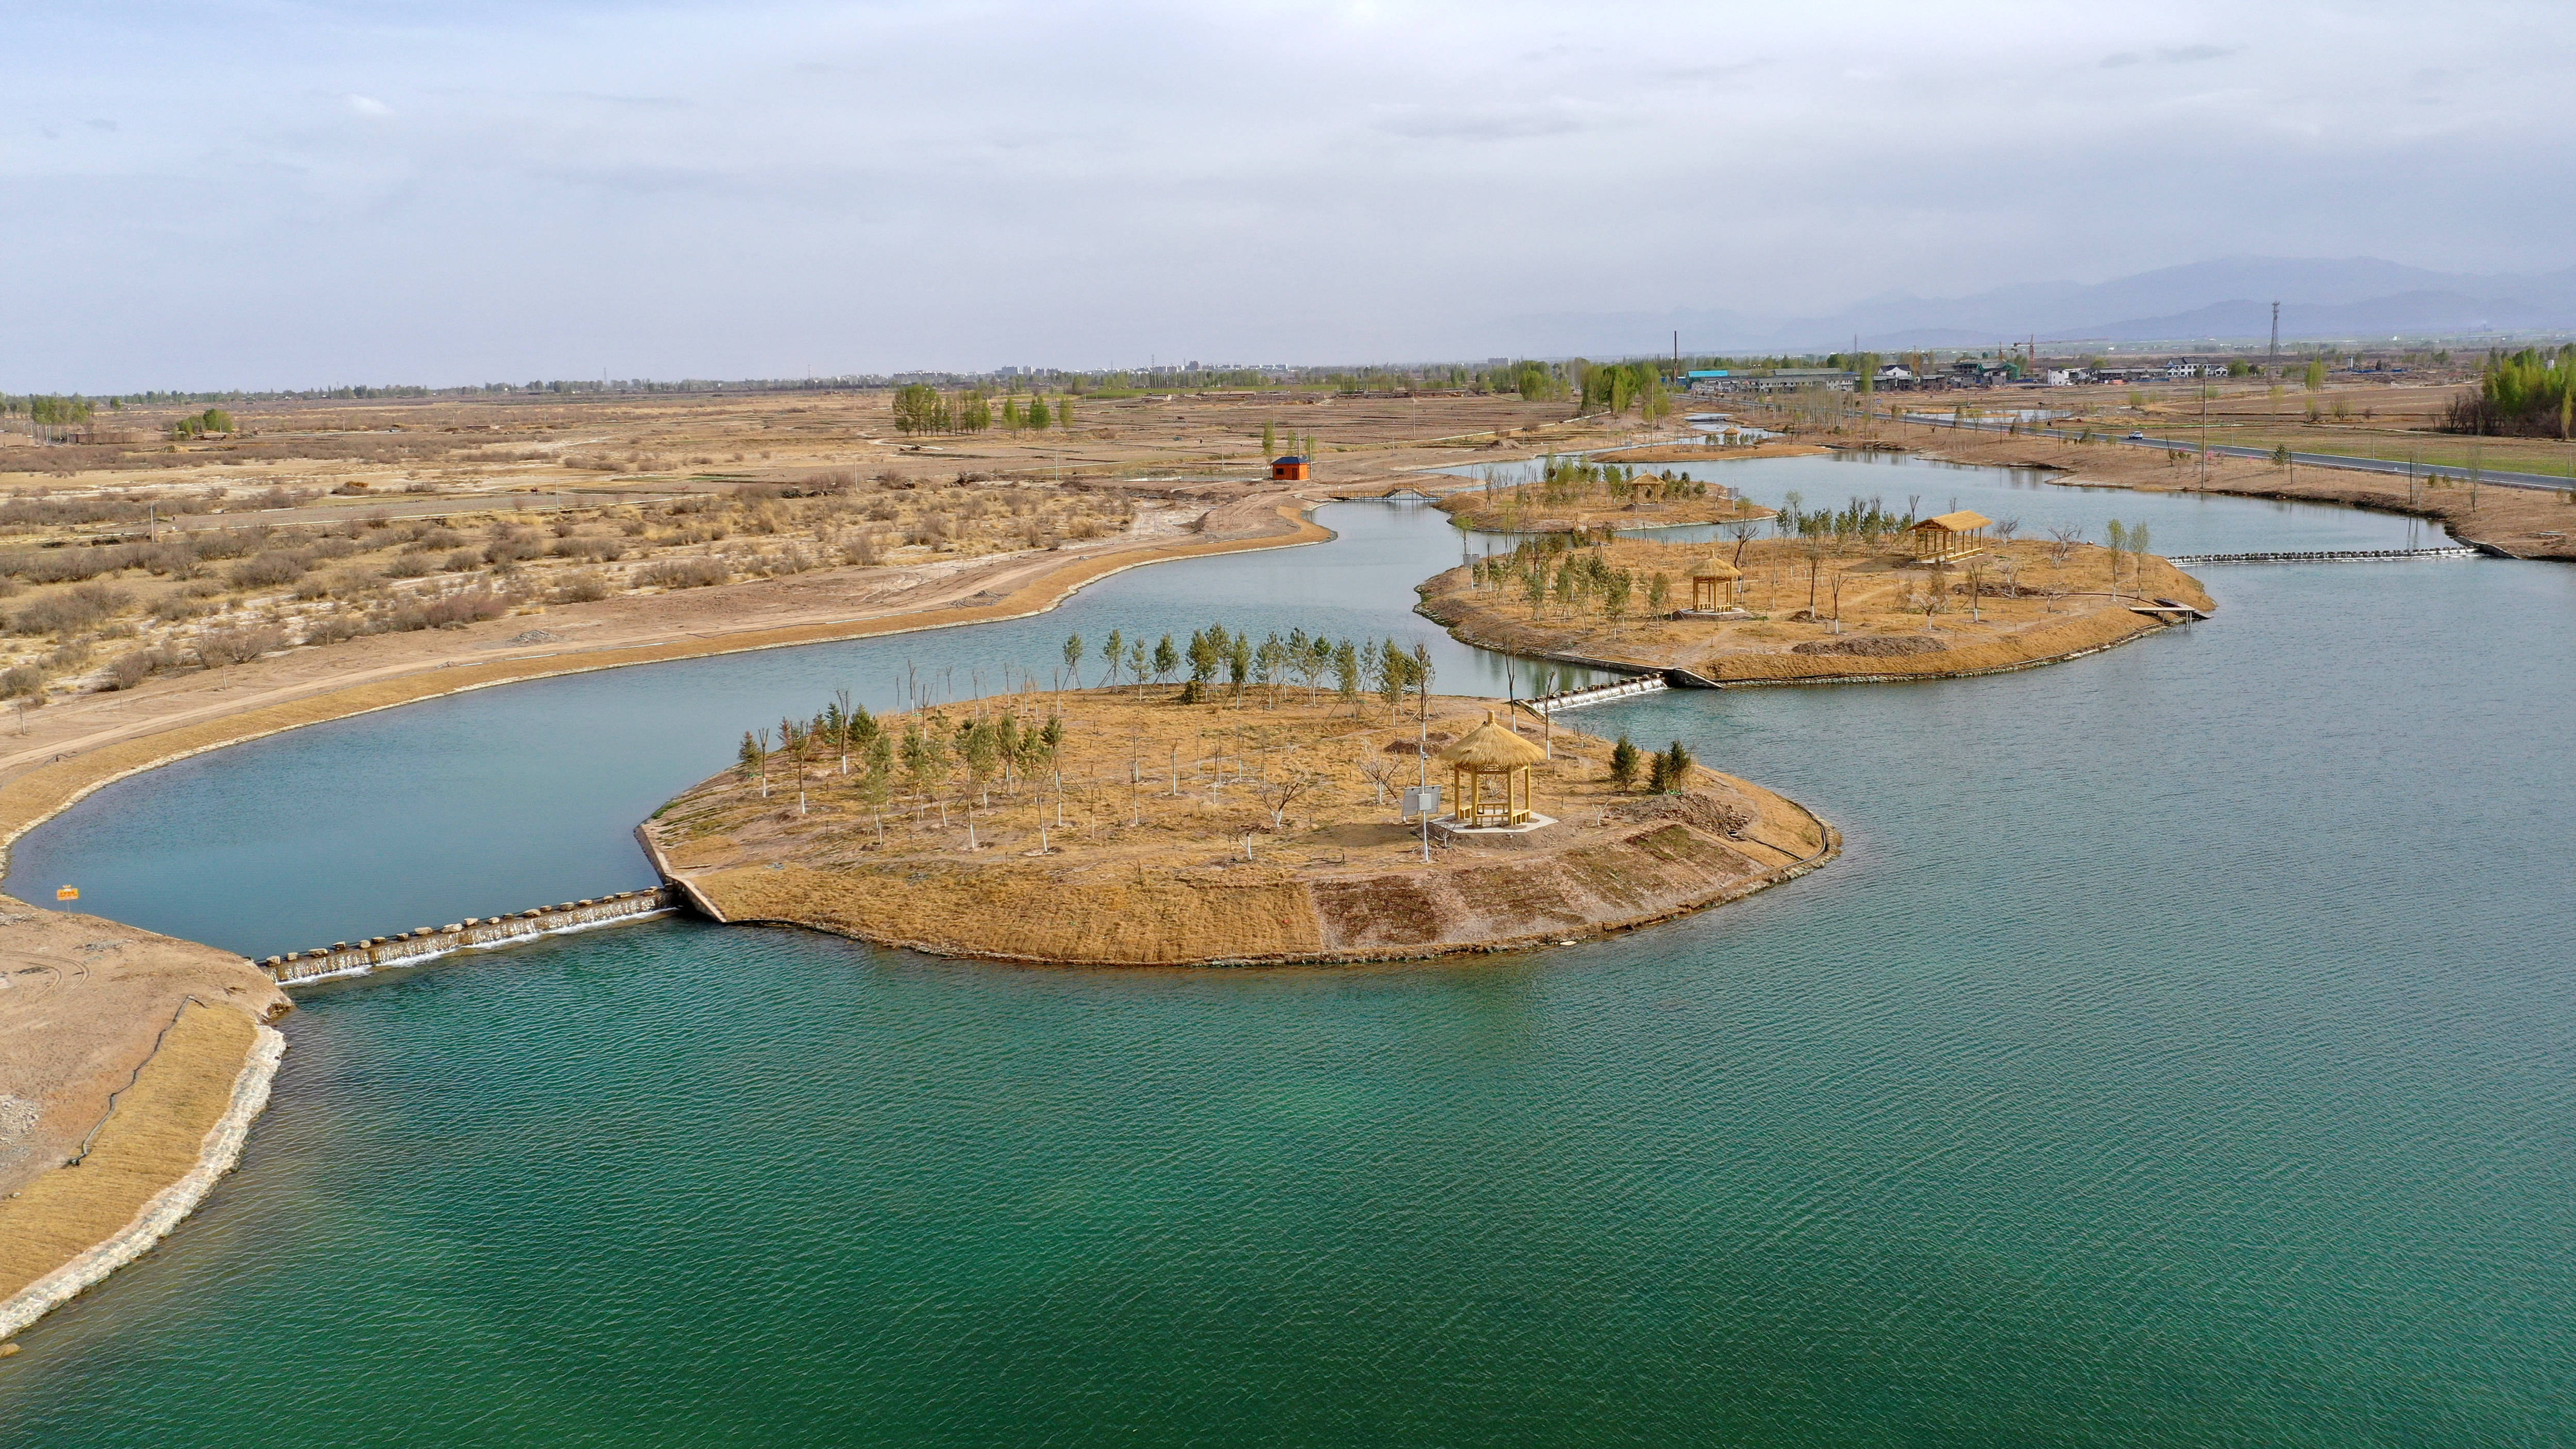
261 193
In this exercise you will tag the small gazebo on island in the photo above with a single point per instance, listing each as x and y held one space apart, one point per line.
1952 535
1486 756
1708 578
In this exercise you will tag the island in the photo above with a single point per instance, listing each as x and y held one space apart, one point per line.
1262 821
1878 599
1585 496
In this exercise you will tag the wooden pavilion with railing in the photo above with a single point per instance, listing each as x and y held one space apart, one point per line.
1949 536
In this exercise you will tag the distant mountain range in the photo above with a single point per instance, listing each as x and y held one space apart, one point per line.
2349 299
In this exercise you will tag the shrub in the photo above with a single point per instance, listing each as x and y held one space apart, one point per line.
76 608
594 547
409 566
131 669
333 627
463 561
25 681
683 573
238 646
511 543
585 587
268 570
449 611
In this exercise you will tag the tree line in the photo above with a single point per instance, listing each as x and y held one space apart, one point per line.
2530 394
921 408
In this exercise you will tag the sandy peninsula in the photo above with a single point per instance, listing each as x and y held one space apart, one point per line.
131 1065
1260 829
1786 614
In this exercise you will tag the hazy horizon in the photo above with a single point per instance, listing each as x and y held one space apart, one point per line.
289 196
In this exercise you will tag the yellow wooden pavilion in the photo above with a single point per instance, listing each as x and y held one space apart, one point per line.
1489 755
1709 579
1952 535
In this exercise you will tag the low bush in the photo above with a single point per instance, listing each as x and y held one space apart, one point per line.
333 627
584 587
72 609
268 570
683 573
448 611
238 646
25 681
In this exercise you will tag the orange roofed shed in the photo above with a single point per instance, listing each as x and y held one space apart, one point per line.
1290 469
1952 535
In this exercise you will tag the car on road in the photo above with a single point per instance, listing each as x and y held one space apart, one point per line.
2133 436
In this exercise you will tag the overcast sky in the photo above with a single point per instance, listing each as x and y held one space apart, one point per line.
218 193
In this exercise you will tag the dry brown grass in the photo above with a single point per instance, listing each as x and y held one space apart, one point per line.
152 1139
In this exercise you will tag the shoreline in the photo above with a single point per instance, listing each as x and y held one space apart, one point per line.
161 1213
30 799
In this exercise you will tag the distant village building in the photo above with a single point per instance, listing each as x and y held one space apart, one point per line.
1952 535
1720 380
1288 469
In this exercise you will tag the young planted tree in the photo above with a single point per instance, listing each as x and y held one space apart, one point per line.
1346 674
1113 650
1166 659
1677 767
1623 763
753 759
1238 664
2119 540
983 752
1394 673
1277 790
1073 659
1136 662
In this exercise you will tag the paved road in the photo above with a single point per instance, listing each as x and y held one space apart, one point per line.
2545 481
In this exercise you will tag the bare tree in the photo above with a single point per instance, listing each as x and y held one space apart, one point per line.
1278 792
1380 773
2062 542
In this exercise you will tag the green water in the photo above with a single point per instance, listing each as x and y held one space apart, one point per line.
2181 1054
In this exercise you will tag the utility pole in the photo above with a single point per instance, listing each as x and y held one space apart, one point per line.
2204 432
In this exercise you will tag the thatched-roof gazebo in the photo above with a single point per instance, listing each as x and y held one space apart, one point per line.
1951 535
1490 752
1706 578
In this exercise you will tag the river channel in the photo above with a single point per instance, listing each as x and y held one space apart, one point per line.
2182 1053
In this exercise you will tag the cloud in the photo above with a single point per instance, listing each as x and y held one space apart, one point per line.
368 106
1489 123
2170 55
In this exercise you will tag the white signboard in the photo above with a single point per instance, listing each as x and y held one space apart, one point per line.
1421 800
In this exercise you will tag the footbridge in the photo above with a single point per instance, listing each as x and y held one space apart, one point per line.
2347 555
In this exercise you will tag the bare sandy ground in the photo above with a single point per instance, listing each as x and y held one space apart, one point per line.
120 1040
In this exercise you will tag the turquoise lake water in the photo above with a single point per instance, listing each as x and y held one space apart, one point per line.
2180 1054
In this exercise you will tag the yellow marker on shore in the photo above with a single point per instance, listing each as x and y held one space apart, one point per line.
67 893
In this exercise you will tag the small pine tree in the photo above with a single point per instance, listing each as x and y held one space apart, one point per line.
1073 658
1270 440
1038 413
1658 773
1623 763
1677 767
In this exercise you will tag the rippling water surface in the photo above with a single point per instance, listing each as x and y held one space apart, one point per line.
2181 1054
